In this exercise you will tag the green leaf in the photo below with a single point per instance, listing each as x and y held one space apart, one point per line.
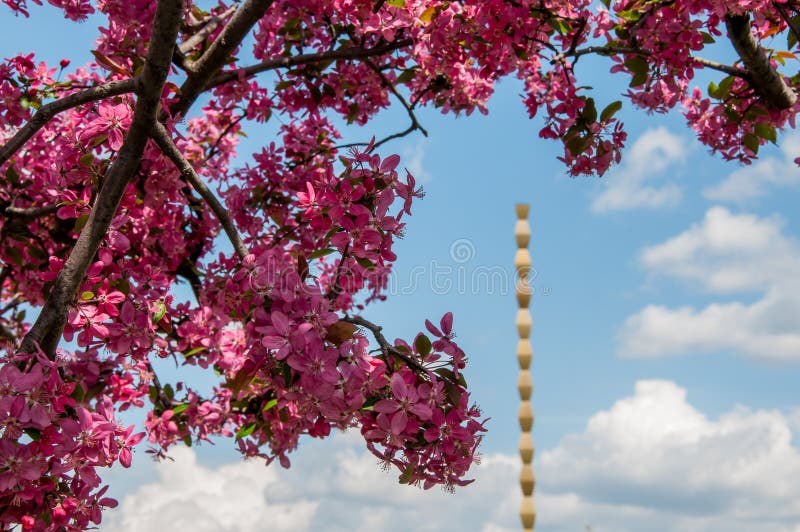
559 25
245 430
590 111
427 16
630 16
34 434
320 253
750 141
446 373
87 159
791 38
77 393
577 145
453 393
194 351
270 404
168 391
638 80
396 3
707 37
610 110
406 75
180 408
732 114
407 472
159 312
80 221
124 286
15 255
12 175
36 252
86 296
766 132
639 69
423 345
365 263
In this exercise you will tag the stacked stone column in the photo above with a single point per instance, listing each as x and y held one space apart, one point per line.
522 262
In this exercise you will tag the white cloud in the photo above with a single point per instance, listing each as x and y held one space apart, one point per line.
724 254
655 151
754 181
333 486
413 160
654 462
651 462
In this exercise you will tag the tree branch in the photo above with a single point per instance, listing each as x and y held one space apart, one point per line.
614 50
351 52
727 69
46 332
384 344
48 111
208 27
231 36
763 77
793 27
161 136
29 213
409 109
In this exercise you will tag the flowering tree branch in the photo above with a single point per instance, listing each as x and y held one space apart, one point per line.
207 27
231 36
48 111
161 136
614 50
349 52
765 79
387 348
46 331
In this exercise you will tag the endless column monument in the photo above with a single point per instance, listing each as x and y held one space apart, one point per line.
522 262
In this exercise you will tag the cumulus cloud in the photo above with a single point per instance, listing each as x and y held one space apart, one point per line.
750 182
333 486
651 462
655 151
726 253
414 160
654 462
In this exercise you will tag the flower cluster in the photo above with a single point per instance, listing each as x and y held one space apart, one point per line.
54 435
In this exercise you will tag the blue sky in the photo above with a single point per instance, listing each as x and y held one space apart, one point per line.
666 334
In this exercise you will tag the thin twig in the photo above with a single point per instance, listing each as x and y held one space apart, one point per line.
351 52
208 27
162 138
218 52
730 70
214 147
389 85
335 288
793 27
384 344
161 396
14 303
614 50
48 111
